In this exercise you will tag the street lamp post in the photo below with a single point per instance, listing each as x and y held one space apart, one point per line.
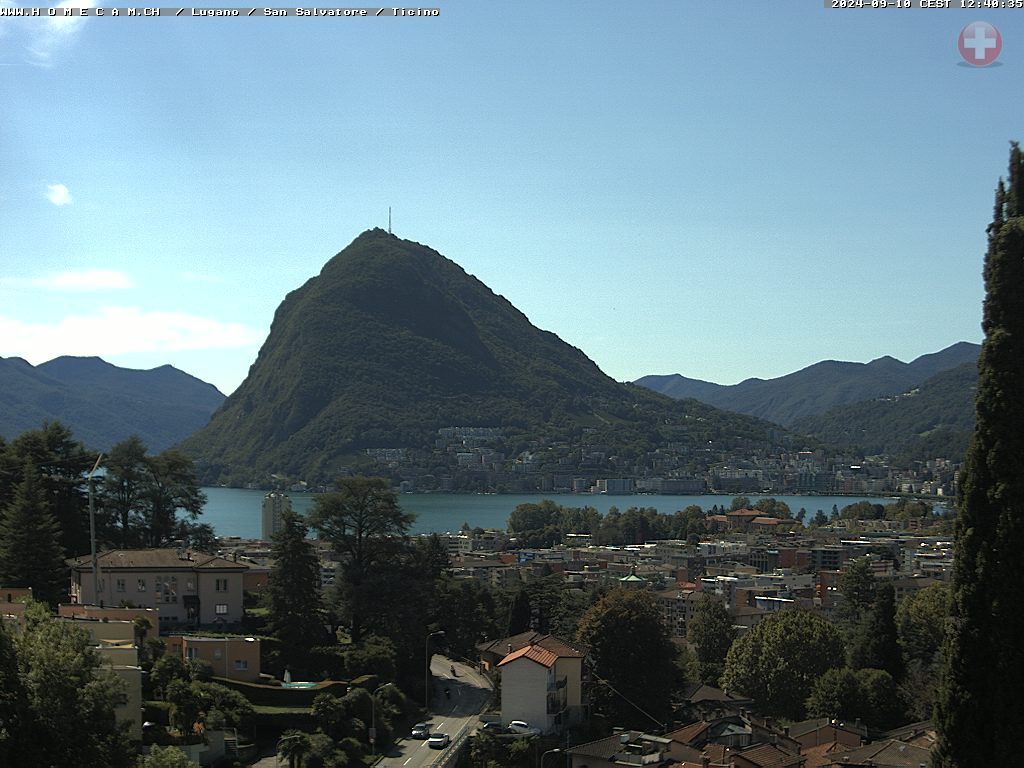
426 674
373 717
548 752
92 536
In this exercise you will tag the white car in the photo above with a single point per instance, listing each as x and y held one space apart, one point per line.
523 728
438 741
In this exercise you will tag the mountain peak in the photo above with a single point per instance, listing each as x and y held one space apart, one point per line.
394 342
818 387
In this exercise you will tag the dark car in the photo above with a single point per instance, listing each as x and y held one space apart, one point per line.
420 731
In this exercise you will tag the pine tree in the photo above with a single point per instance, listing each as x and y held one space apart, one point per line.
295 616
980 712
30 551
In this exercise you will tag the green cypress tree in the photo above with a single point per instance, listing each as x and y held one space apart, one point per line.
980 712
30 551
876 642
295 615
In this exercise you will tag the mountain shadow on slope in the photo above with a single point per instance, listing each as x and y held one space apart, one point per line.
392 342
935 419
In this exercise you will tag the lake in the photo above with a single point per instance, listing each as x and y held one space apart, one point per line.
236 511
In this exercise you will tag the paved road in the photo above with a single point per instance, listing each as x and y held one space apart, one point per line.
456 714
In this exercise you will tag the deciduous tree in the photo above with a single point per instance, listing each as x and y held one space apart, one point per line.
71 698
359 519
632 652
777 662
166 757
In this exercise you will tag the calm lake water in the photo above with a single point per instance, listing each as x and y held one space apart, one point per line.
236 511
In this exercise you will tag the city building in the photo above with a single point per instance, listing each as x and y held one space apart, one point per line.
190 588
275 504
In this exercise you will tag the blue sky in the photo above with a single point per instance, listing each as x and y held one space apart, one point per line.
720 189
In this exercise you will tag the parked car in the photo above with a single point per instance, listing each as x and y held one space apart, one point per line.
420 731
494 728
523 728
438 741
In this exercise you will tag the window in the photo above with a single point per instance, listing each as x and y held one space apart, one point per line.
142 585
218 653
191 653
220 609
170 588
241 664
221 585
120 585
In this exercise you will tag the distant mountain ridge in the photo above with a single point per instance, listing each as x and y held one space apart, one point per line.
933 420
392 342
817 388
103 403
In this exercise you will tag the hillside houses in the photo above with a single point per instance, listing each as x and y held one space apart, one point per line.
752 573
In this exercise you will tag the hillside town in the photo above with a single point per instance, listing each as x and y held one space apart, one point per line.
481 459
153 616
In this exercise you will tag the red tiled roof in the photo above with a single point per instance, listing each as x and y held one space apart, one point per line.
820 754
688 733
508 645
742 513
155 558
542 656
770 756
891 752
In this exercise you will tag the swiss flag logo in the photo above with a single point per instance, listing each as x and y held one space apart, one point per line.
980 43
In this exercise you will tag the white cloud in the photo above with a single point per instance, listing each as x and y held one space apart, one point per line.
58 194
72 280
120 330
40 39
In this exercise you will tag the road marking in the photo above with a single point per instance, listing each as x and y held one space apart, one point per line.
407 761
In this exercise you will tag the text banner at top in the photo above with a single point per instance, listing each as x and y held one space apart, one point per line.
219 12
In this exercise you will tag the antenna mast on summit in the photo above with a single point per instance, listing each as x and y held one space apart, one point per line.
389 219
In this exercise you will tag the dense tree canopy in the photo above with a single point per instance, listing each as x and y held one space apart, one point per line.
777 662
868 695
632 657
69 699
166 757
151 501
362 520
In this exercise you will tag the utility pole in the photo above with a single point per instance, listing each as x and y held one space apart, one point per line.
92 535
